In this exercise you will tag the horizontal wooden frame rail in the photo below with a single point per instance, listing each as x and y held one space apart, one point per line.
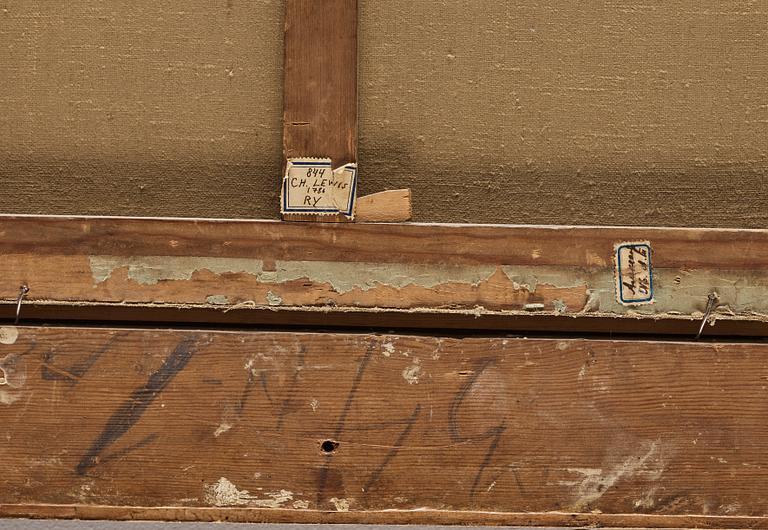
321 427
389 275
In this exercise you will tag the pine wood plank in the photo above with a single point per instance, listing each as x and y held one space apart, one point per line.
185 424
391 206
491 276
320 84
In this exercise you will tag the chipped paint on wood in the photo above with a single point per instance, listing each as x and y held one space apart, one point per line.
221 429
8 398
217 299
8 334
273 299
341 276
387 348
595 482
412 373
492 416
341 505
13 377
470 270
225 493
559 290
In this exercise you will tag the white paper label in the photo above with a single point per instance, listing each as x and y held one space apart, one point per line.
634 273
312 186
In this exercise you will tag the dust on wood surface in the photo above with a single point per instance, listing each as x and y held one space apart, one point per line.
472 270
632 113
357 424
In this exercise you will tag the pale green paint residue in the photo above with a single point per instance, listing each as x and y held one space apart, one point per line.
527 277
273 299
150 270
560 306
675 291
342 277
217 299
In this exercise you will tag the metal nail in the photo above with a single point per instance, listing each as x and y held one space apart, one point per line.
23 290
711 304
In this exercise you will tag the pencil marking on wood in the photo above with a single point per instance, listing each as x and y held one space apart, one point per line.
453 428
518 482
363 364
289 404
493 433
138 445
253 373
73 374
680 426
392 453
130 412
322 478
245 394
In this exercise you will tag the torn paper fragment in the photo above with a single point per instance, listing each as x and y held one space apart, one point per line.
311 186
633 273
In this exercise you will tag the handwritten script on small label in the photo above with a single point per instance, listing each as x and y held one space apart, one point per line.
312 186
634 273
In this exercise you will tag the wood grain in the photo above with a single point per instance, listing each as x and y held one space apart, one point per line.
391 206
320 87
184 424
248 268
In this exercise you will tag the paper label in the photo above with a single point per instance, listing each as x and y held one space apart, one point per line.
312 186
634 273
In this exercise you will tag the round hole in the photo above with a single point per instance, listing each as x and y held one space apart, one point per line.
329 446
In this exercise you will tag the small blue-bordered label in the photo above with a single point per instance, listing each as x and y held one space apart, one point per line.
634 273
312 186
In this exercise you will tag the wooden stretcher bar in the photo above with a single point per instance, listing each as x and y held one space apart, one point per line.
338 427
397 275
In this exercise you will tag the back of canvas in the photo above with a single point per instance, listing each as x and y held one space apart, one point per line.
632 113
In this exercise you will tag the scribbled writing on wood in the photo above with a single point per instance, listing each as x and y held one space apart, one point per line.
122 430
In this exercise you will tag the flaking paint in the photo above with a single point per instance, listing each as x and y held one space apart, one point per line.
739 291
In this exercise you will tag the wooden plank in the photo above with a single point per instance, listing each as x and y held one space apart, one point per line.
391 206
490 275
265 426
320 88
